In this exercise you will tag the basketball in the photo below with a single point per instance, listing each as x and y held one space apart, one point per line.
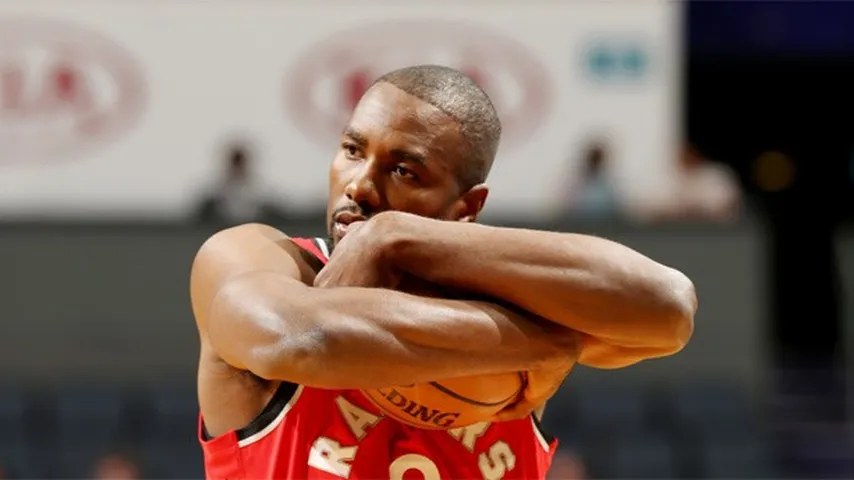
450 403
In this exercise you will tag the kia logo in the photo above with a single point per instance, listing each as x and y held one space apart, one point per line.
324 85
64 89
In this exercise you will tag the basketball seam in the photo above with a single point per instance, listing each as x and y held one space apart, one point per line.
451 393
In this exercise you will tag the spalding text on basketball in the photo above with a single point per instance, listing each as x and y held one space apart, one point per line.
418 411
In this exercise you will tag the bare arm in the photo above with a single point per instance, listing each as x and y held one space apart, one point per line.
629 306
255 310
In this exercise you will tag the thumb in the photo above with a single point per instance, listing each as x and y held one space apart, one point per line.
515 411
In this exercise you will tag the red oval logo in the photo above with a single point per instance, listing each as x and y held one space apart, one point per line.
63 90
324 85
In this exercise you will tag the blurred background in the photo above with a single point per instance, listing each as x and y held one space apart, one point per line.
712 136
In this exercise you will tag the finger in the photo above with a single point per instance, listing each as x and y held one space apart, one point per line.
509 416
520 410
352 228
322 279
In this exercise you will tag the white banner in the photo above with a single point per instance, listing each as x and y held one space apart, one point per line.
122 107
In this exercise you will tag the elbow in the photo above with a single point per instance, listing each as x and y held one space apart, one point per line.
680 299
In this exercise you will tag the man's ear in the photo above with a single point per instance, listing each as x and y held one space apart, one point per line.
469 205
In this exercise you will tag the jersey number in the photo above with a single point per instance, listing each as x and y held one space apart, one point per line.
331 457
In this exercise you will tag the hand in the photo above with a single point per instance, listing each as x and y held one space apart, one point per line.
358 260
544 382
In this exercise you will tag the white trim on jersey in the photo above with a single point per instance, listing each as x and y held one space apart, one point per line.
275 423
540 437
321 243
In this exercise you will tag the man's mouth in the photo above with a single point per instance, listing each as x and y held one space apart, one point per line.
343 221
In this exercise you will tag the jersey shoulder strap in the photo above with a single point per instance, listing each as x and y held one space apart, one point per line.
316 246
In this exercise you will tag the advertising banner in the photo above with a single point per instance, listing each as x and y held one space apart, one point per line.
123 109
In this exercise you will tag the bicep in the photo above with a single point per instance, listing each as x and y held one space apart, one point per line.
246 261
239 251
245 328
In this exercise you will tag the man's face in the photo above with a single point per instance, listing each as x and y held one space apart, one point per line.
398 153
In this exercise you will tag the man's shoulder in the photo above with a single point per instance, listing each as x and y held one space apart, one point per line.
244 230
259 238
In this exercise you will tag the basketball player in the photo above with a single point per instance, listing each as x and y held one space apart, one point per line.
285 349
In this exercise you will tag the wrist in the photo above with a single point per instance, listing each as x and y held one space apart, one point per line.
396 234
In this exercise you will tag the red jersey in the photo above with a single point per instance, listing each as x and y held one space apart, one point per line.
311 433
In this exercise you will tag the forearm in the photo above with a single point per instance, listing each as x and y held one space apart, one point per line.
589 284
365 338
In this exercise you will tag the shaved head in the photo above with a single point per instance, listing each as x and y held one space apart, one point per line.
461 98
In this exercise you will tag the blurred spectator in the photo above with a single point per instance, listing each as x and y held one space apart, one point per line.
239 195
702 190
116 467
591 194
567 466
707 189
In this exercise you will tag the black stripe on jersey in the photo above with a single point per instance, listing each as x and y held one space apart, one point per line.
274 407
549 438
